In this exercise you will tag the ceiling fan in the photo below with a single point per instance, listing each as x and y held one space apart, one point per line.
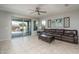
38 11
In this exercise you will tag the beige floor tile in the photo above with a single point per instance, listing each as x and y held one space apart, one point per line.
32 45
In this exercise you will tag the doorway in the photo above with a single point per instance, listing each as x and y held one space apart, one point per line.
21 27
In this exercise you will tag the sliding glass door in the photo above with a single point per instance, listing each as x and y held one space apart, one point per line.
21 27
27 27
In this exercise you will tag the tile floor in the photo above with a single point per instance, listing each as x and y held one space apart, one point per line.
32 45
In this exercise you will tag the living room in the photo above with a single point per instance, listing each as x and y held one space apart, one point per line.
41 16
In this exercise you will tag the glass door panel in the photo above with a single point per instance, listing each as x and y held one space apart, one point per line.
27 27
17 29
20 28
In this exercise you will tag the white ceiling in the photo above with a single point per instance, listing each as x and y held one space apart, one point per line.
51 9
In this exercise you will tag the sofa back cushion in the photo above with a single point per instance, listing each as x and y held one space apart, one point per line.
65 32
46 30
51 31
60 31
70 32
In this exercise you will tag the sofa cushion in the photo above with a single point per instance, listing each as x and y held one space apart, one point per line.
51 31
59 31
69 33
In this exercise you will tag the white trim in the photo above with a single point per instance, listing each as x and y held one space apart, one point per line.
4 39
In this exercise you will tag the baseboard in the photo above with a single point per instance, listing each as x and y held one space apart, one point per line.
4 39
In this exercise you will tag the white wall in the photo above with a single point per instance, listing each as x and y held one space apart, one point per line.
74 19
5 25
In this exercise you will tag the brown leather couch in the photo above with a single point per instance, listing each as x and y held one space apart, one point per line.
62 34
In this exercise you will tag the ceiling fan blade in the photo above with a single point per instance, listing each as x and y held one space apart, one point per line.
38 13
37 8
43 11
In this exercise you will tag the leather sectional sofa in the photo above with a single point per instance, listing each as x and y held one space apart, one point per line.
61 34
